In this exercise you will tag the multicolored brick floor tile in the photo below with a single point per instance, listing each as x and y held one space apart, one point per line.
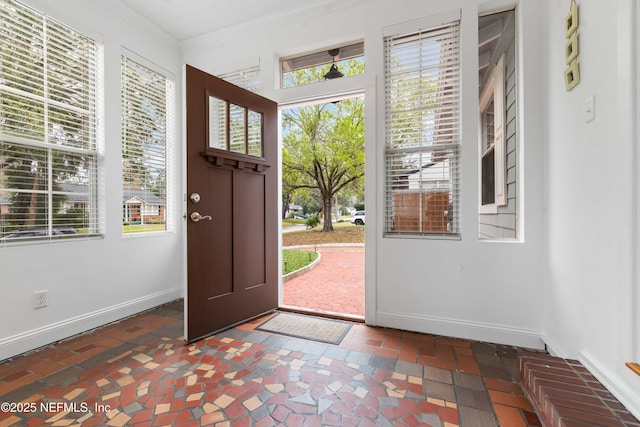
140 372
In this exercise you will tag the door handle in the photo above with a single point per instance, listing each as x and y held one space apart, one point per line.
195 217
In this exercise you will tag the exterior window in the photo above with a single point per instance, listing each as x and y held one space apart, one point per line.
346 60
247 78
147 117
497 138
49 79
149 209
492 168
422 151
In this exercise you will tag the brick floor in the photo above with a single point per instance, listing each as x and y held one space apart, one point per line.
139 372
335 285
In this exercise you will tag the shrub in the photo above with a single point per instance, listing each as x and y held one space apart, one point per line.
312 221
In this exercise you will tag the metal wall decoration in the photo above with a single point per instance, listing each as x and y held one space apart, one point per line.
572 72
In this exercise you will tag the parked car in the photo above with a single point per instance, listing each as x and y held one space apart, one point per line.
40 232
357 218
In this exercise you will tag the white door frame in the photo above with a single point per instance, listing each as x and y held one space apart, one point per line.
361 84
635 129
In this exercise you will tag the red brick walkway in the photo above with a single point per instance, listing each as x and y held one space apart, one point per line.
335 285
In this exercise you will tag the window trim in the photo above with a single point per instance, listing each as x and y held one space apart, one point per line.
494 90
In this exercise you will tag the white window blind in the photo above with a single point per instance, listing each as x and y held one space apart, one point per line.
422 151
147 111
48 121
247 78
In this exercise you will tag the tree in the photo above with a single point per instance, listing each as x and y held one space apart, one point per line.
290 182
323 148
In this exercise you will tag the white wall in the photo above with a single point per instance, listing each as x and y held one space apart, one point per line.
92 282
468 288
590 183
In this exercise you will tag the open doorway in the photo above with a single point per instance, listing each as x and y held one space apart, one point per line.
323 213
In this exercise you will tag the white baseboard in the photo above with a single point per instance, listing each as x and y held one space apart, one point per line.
498 334
35 338
628 395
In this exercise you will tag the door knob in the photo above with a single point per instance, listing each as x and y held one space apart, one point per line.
195 217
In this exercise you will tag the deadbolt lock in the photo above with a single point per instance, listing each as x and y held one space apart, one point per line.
195 197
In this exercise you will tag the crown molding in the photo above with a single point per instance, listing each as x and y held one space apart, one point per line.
307 10
133 18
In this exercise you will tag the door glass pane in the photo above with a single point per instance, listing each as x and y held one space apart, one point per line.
255 134
237 129
217 123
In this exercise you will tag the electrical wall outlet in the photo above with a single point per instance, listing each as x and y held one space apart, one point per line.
40 299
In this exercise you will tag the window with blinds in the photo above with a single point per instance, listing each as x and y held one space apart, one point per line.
422 137
247 78
48 120
147 111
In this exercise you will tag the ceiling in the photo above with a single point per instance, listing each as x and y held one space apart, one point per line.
186 19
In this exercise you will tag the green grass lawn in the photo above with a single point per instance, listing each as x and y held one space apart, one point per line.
143 228
344 232
296 259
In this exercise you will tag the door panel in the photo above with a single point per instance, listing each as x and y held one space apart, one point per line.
250 241
218 260
232 240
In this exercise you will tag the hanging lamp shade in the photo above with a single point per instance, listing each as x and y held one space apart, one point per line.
333 73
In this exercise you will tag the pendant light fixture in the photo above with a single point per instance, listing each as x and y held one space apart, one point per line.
333 73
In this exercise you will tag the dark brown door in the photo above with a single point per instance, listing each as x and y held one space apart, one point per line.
231 204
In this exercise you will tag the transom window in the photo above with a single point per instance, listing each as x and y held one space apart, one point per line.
49 79
330 63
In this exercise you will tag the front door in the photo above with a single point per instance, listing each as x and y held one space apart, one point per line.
231 204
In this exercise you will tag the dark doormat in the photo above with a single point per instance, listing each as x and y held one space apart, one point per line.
308 327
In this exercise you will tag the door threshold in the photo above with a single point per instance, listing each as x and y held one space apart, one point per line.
322 313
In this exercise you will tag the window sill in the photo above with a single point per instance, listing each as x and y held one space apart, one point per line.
49 240
422 236
488 209
147 234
